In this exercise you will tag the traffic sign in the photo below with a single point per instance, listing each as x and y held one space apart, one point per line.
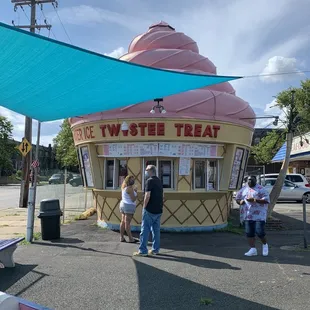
25 147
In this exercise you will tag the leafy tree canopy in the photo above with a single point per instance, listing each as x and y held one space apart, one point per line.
64 145
268 147
7 148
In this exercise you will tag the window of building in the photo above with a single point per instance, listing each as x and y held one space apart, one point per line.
206 174
165 170
115 172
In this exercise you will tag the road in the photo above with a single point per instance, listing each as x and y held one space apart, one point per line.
75 196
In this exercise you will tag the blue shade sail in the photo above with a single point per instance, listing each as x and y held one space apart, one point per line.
49 80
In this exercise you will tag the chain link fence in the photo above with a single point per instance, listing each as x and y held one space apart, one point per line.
67 186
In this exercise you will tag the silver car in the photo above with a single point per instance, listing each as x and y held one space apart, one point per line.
290 191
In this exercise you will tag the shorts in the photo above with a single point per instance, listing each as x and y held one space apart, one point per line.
127 208
255 227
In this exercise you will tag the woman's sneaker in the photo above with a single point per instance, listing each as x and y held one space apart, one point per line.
251 252
151 252
139 254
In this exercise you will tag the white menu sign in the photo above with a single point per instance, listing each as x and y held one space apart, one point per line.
165 149
184 166
130 149
236 168
187 150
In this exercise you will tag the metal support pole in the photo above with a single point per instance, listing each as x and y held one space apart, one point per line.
64 202
304 215
86 192
33 192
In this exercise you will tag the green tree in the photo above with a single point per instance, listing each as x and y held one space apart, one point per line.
265 150
7 148
64 145
295 103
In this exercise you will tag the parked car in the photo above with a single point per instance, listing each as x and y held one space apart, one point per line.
76 181
296 178
58 178
290 191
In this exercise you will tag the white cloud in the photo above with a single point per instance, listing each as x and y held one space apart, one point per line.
49 130
117 53
277 65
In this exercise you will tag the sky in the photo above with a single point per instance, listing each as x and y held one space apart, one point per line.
241 37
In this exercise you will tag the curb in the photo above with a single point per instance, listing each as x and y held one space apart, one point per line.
86 214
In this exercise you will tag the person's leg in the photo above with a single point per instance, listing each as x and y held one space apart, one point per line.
145 232
155 233
122 228
250 233
128 218
260 232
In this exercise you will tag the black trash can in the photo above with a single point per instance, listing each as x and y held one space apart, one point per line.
50 214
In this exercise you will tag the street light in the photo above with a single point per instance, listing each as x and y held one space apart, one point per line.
158 106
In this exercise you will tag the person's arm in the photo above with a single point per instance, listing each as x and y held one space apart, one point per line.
147 195
239 199
133 197
264 200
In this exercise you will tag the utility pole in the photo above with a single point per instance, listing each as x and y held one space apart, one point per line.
26 161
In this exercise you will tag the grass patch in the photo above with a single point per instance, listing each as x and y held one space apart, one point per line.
231 228
36 236
13 214
206 301
5 225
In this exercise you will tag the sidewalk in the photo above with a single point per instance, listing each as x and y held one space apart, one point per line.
90 269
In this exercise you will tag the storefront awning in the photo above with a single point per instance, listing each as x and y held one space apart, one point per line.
49 80
280 156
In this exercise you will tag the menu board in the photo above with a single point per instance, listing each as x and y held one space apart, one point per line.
86 166
165 149
187 150
184 166
243 167
233 184
130 149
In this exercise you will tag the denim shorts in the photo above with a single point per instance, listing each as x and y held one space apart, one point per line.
127 208
255 227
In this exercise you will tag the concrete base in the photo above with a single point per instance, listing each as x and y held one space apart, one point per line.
134 228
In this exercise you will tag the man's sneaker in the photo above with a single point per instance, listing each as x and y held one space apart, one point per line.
151 252
139 254
265 249
251 252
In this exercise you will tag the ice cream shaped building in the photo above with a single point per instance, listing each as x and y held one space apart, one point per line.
198 140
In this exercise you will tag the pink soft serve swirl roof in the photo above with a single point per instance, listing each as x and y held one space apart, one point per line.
162 47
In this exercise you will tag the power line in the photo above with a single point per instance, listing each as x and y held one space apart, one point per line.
275 74
64 28
50 30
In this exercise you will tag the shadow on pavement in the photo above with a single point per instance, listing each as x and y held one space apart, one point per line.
159 289
17 280
290 222
204 263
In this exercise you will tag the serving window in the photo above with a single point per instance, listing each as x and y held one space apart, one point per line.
206 174
165 170
115 173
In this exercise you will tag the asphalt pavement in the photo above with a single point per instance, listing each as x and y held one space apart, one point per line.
90 269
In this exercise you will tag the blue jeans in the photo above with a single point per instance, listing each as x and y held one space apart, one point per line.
255 227
150 223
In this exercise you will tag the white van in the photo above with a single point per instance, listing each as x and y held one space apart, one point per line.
296 178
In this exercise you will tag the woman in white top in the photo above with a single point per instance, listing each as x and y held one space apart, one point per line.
128 207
